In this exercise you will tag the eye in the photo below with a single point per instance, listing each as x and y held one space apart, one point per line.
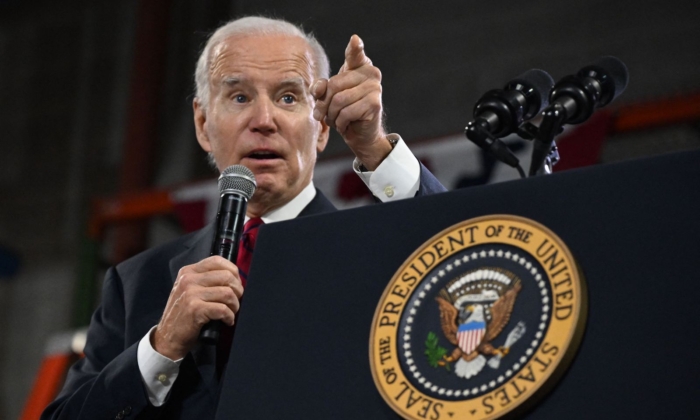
241 99
288 99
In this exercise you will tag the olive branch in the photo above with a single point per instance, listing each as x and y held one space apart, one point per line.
435 352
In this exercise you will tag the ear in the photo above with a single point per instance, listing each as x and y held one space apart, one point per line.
323 136
200 125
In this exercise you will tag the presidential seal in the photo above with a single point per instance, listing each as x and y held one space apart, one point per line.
478 323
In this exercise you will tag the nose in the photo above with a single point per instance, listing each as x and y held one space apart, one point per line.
263 118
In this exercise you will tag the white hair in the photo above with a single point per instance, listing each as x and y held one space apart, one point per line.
254 25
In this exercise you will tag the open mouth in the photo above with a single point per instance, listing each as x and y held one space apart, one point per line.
263 155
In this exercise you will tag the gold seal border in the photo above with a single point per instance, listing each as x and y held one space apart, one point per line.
546 382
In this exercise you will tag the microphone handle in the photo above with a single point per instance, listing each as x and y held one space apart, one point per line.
229 229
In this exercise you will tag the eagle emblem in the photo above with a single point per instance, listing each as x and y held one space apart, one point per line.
474 310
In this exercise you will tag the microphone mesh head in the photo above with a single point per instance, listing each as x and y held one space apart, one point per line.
237 179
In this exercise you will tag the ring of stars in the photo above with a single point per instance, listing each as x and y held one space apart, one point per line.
427 286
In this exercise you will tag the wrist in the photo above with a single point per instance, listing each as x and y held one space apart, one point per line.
160 345
371 158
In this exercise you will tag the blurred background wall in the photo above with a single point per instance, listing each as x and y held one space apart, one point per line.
95 101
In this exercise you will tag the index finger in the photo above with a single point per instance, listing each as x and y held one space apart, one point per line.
214 262
355 54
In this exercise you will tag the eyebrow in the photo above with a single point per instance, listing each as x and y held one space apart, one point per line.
294 82
231 81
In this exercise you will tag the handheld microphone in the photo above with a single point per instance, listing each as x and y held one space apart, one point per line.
236 186
575 97
500 112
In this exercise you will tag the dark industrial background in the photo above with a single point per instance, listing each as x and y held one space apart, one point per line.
95 101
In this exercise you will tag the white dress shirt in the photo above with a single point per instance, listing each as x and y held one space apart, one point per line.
396 178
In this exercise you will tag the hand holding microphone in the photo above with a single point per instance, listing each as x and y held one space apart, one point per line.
236 186
208 293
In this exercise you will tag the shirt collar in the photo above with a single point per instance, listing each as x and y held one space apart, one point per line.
291 209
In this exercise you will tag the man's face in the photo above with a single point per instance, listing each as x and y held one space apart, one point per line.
260 114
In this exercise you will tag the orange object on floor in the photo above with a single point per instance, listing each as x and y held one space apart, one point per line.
47 384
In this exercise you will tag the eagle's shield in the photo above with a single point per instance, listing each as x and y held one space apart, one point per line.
469 335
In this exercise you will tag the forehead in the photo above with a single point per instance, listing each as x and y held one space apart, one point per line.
267 55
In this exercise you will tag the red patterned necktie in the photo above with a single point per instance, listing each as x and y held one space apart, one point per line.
245 248
245 256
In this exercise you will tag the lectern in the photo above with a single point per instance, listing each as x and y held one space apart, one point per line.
302 342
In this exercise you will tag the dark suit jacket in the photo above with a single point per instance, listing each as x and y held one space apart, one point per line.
107 382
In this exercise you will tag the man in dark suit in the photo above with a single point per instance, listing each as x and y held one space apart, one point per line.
263 100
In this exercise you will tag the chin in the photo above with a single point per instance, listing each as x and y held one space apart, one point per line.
269 185
267 178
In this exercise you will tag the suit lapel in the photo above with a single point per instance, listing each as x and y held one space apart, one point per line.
196 249
319 204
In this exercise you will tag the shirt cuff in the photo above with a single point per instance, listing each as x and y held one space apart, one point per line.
157 371
396 178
